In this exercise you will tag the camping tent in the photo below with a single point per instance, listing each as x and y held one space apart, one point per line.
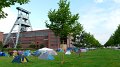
27 53
3 54
48 50
46 56
36 53
68 52
19 59
59 50
75 49
83 50
20 52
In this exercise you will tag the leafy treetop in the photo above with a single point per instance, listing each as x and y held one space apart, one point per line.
8 3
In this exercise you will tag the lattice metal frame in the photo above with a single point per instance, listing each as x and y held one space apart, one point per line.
23 24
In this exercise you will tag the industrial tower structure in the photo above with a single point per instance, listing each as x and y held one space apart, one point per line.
23 24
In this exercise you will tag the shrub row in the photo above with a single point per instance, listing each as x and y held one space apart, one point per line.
11 49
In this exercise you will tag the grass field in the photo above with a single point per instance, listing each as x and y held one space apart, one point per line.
94 58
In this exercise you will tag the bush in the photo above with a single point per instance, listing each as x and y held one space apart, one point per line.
41 46
32 46
18 46
11 49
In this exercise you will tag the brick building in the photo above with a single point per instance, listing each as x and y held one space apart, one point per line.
39 37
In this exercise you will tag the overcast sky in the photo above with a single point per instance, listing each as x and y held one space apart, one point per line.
99 17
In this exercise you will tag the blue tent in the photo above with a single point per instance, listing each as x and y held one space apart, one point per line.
46 56
36 53
19 59
27 53
69 48
59 50
76 49
3 54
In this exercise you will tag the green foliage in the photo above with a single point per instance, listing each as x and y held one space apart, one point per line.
32 46
42 45
19 45
114 40
8 3
86 40
62 21
11 49
77 28
110 42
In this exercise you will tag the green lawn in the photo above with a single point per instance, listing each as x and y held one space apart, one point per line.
94 58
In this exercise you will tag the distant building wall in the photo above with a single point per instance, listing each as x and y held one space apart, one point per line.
38 38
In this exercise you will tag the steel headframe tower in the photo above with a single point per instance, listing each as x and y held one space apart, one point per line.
23 24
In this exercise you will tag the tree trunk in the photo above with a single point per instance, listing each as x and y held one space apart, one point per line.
63 43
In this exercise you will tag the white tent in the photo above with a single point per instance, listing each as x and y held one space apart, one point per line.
48 50
68 52
45 48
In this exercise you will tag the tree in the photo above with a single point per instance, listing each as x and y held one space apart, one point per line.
116 36
114 40
77 29
110 42
8 3
86 40
62 22
91 41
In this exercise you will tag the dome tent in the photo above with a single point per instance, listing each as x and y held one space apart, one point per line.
48 50
68 52
46 56
19 59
